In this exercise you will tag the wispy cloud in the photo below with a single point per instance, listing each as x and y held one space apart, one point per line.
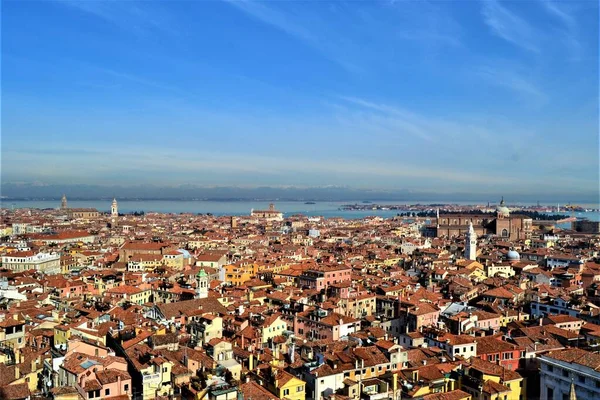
127 15
427 24
284 22
394 118
515 82
274 18
569 29
140 80
203 167
378 31
510 27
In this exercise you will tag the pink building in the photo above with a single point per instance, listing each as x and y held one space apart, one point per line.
64 288
82 346
321 324
95 377
487 321
321 277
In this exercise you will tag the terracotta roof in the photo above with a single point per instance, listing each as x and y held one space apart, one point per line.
15 392
111 376
452 395
577 356
175 310
253 390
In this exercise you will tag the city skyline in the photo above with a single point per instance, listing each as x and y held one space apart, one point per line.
491 97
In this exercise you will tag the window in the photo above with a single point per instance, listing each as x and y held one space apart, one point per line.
286 392
300 389
107 392
165 369
581 378
565 373
126 387
550 368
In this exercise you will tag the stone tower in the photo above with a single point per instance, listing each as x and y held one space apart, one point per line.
114 209
114 213
63 202
202 284
471 243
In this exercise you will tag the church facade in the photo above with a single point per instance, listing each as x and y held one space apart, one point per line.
501 223
270 215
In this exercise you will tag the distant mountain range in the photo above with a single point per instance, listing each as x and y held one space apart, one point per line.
37 191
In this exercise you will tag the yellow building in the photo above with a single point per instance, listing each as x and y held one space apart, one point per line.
484 379
426 380
392 261
237 274
157 379
131 294
173 259
285 385
62 334
145 262
273 326
478 275
12 332
513 315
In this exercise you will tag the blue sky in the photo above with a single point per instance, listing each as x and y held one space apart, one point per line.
480 96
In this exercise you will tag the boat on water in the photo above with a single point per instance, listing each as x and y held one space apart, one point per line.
310 202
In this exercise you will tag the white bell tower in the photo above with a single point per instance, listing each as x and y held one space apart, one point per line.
202 284
114 213
114 209
471 243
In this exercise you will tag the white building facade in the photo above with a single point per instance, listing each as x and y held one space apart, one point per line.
48 263
559 369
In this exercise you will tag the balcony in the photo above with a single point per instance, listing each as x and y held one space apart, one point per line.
151 378
377 396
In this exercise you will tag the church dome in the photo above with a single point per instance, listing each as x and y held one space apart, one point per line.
502 210
513 256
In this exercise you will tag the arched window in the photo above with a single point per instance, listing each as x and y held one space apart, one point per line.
504 233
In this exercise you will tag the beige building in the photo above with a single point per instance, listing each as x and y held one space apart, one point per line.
12 332
271 214
82 213
502 223
48 263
